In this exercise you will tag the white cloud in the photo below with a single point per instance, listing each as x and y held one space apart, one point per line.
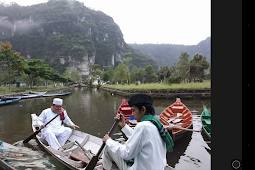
155 21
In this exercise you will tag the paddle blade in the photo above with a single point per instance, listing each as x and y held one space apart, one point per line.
31 136
92 163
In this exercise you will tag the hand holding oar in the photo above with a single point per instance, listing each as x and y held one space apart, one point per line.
95 158
36 132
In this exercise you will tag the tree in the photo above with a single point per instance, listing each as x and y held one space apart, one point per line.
149 71
73 74
154 77
98 73
183 66
134 74
34 69
11 62
198 65
163 73
47 73
105 76
93 68
108 75
127 61
121 73
142 75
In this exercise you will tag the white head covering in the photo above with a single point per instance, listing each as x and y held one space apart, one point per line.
57 101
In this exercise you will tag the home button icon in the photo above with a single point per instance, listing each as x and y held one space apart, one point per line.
236 164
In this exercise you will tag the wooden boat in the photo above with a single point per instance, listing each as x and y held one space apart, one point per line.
29 96
177 113
25 96
4 163
56 94
35 92
4 101
73 156
126 110
206 125
15 157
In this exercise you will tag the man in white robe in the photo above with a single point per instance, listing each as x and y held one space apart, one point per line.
145 144
55 133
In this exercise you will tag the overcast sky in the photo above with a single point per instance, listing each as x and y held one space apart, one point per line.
153 21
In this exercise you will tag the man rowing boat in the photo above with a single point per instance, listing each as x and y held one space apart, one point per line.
147 144
55 133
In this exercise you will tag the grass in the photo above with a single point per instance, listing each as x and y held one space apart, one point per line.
161 86
22 89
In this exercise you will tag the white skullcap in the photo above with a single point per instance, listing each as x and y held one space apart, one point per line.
57 101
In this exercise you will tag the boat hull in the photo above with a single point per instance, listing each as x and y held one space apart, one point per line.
56 94
9 101
206 125
170 116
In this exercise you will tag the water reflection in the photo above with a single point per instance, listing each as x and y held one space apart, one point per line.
93 110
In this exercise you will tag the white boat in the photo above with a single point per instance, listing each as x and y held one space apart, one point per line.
56 94
37 92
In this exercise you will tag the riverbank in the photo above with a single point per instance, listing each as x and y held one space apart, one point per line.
21 91
163 91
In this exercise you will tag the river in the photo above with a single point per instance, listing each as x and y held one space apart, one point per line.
93 110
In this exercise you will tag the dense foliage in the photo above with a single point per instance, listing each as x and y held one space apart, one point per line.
185 70
167 54
14 67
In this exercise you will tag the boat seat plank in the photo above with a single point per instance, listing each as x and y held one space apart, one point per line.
79 133
207 121
93 147
81 156
78 164
56 152
85 140
68 145
177 107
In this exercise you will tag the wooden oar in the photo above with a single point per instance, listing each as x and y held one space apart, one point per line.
36 132
181 128
95 158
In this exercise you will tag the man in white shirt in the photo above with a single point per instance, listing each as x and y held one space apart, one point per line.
147 143
55 133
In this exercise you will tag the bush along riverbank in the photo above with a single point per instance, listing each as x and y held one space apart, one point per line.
163 94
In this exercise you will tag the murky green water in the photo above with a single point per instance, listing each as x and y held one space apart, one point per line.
93 110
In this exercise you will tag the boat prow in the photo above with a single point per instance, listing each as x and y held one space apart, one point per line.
126 110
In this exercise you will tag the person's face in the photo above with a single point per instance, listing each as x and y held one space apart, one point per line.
138 114
57 108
